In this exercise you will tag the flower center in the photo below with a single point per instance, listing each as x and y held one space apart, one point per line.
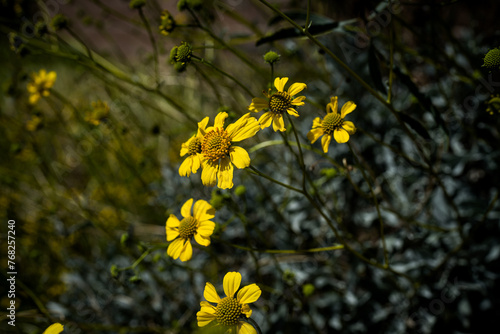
216 144
194 146
331 122
228 311
187 227
280 102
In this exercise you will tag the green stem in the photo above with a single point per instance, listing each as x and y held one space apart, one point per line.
257 172
153 44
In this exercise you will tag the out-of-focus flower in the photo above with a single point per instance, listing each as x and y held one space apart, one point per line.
180 56
220 154
167 24
333 124
278 103
99 112
229 310
40 85
197 225
492 59
34 123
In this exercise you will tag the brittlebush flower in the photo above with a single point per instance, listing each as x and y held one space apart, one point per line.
192 148
278 103
333 124
54 329
197 225
40 85
99 112
220 154
229 310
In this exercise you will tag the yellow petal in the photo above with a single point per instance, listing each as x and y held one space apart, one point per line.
207 304
231 283
298 101
246 130
249 294
204 241
186 208
186 166
202 210
325 142
246 328
210 294
204 318
219 119
349 127
347 108
292 112
239 157
34 98
333 105
225 174
341 136
296 88
246 310
280 83
206 228
171 228
266 119
209 173
201 127
196 159
54 329
316 131
175 248
278 123
185 147
186 252
258 104
51 77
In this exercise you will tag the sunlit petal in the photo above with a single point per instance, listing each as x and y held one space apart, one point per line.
231 283
239 157
219 119
211 294
325 142
246 328
341 136
54 329
249 294
333 105
347 108
209 173
186 208
225 174
280 83
186 252
296 88
266 119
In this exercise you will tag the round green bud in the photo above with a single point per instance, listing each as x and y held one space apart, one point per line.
136 4
492 59
173 53
240 190
307 289
271 57
59 22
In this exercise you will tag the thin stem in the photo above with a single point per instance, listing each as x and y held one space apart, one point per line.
375 200
212 66
153 44
75 36
391 58
287 251
301 156
257 172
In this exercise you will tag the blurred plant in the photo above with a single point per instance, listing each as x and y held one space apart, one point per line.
40 85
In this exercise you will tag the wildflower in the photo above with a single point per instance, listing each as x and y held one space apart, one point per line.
167 23
193 148
492 58
34 123
278 103
229 310
54 329
180 56
40 85
220 154
197 225
333 124
99 112
493 104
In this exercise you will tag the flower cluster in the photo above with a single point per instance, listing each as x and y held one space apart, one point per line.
213 150
40 85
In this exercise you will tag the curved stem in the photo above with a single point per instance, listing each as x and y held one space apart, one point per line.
153 44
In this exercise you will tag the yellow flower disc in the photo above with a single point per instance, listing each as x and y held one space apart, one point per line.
331 122
228 311
280 102
216 144
187 227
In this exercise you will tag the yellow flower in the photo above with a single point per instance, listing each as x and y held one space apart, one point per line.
193 148
278 103
54 329
99 112
40 85
197 225
34 123
333 124
229 310
220 154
